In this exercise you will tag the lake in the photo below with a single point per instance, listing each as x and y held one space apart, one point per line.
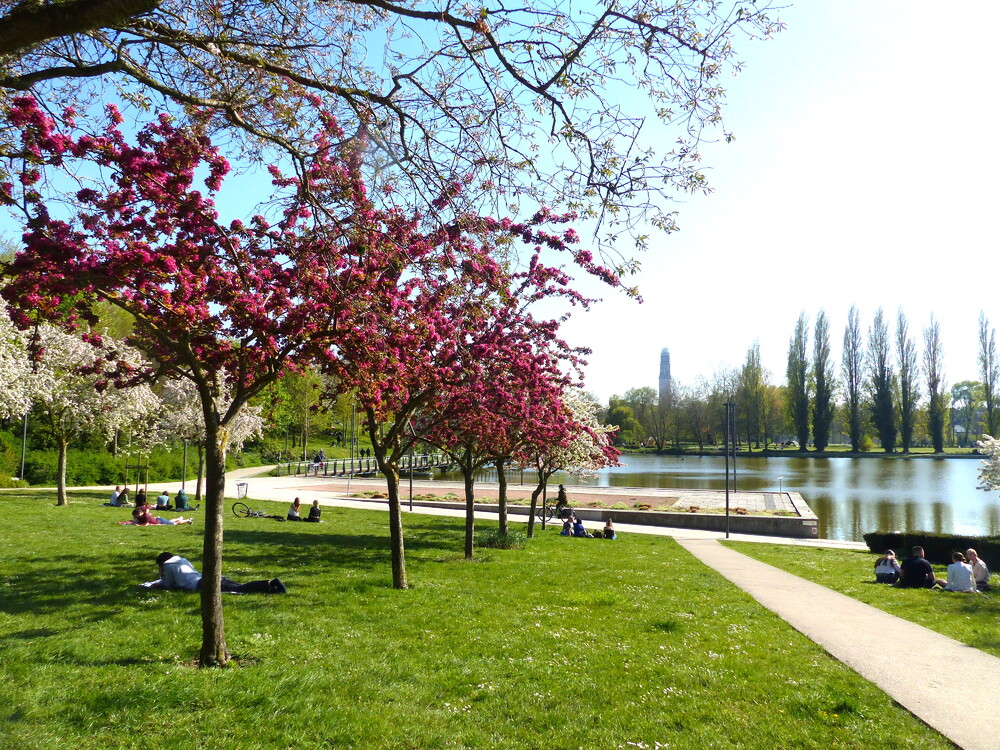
851 496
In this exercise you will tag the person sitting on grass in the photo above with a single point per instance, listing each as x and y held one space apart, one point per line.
960 577
314 513
293 510
163 501
123 498
979 570
140 498
182 501
916 572
178 573
579 530
567 529
609 530
887 568
114 496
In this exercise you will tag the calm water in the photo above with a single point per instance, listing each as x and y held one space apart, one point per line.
851 496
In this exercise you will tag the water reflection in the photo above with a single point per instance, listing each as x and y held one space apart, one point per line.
851 496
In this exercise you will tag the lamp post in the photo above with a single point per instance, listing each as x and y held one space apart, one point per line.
728 437
779 484
24 444
184 471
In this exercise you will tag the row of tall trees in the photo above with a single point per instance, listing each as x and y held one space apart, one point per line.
884 389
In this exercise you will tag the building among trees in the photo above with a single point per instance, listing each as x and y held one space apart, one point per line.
666 388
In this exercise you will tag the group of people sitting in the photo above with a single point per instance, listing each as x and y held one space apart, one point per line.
573 526
967 572
142 513
296 506
120 499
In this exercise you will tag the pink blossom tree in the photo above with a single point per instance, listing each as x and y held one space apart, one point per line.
244 301
498 408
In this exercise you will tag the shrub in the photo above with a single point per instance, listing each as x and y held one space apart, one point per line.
8 482
619 506
937 547
491 538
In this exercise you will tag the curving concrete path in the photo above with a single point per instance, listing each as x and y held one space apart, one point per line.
921 670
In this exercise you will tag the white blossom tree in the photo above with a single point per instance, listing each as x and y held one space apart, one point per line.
588 446
989 468
15 381
74 400
184 419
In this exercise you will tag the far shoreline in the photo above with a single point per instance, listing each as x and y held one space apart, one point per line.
771 453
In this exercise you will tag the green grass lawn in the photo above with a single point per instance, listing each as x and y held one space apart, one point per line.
568 643
969 618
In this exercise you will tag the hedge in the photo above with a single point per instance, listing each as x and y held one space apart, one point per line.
937 547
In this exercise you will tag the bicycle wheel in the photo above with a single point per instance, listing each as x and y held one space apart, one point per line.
241 510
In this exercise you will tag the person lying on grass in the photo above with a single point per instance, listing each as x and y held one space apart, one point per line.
179 574
142 517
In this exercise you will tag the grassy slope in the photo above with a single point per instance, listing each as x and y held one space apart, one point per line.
567 643
969 618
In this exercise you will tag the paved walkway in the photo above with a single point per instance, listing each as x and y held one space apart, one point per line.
923 671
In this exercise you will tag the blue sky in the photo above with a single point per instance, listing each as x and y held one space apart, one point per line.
863 172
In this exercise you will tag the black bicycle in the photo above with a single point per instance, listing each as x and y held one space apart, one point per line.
547 512
242 510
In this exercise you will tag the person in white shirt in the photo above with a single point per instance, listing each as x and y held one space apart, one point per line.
979 570
960 576
887 568
178 573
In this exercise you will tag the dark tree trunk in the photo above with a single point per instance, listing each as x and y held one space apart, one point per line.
391 473
470 502
534 509
502 496
61 473
213 633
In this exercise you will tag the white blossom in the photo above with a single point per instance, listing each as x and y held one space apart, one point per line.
15 370
76 402
989 468
184 418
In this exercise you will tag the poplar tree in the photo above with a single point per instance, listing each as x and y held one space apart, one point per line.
881 382
798 381
934 372
989 372
909 392
823 378
852 367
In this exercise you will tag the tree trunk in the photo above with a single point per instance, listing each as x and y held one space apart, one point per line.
213 635
534 506
502 499
61 473
391 473
470 503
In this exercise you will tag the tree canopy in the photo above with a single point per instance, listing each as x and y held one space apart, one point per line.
544 102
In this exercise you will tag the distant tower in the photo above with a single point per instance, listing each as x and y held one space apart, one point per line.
666 387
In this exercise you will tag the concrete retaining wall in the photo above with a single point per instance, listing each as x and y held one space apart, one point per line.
803 526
